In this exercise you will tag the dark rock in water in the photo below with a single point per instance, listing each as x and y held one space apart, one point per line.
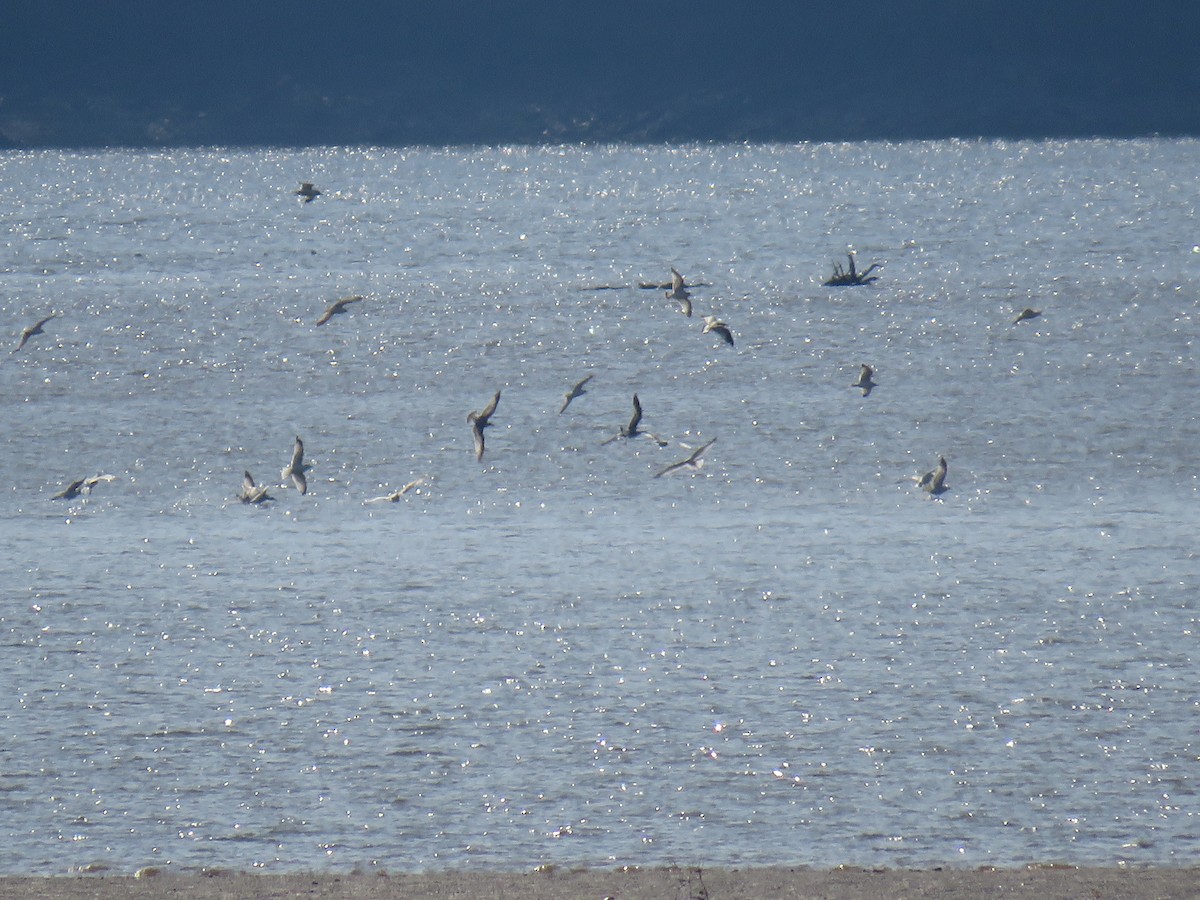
850 277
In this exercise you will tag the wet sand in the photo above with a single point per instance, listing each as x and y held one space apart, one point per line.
1045 883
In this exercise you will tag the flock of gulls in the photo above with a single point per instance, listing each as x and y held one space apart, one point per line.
676 290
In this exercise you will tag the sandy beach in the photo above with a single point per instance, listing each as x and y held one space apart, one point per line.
1046 883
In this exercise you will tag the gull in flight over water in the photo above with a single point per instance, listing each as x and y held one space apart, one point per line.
864 380
394 496
679 292
1027 313
81 486
933 482
294 471
716 326
336 307
308 192
36 328
693 462
575 391
631 430
480 421
252 493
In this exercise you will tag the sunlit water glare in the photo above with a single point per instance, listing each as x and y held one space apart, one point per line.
792 656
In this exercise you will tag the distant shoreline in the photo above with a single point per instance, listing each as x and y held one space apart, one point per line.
1044 882
99 149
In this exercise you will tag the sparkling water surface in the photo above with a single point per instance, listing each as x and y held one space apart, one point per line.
792 656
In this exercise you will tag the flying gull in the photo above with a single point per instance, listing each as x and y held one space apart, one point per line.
479 421
864 380
1027 313
336 307
679 292
81 486
631 430
294 470
394 496
252 493
693 462
34 329
576 391
933 482
308 192
715 325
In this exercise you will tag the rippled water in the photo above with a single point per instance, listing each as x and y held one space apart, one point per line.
792 656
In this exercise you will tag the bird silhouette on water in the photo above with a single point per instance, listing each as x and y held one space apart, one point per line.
934 482
864 380
33 329
81 486
575 391
693 462
394 496
716 326
308 192
633 430
679 292
480 421
251 492
336 307
294 470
